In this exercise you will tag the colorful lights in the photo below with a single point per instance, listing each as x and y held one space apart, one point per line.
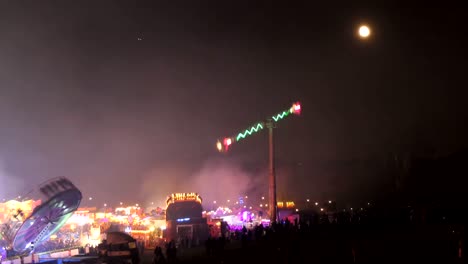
183 197
286 205
227 142
296 108
222 210
141 231
245 215
250 131
223 145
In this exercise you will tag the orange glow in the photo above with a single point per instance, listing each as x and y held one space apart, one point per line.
140 231
287 205
364 31
12 207
182 197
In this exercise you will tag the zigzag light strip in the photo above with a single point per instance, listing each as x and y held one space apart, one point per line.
249 132
281 115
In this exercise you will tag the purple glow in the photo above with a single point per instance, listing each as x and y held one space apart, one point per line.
244 216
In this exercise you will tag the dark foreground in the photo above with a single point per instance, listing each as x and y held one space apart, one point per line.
336 244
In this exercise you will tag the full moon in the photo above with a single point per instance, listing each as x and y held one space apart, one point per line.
364 31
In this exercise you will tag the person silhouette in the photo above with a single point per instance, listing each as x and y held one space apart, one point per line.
158 256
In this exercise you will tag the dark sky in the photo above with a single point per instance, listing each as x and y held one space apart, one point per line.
127 99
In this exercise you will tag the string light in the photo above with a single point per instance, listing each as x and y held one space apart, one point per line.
249 131
223 145
295 109
281 115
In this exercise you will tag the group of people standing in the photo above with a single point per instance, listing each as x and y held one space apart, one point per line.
171 253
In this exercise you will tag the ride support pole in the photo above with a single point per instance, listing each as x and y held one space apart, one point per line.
272 174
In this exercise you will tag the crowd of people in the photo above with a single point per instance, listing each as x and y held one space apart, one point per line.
365 236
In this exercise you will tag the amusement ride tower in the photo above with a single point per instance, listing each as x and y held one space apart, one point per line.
224 144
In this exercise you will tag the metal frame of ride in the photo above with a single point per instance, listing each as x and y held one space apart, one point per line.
224 145
61 198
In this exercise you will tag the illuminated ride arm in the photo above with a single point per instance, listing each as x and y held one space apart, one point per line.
224 144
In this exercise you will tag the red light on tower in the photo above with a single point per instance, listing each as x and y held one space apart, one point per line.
227 142
296 108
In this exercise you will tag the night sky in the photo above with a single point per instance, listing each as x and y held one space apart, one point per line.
128 99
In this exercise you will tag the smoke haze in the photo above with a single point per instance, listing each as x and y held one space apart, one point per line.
128 99
10 186
215 180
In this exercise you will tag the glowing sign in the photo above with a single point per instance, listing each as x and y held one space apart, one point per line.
183 197
288 205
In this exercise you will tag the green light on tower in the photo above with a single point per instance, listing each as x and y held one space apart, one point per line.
249 131
280 116
223 145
